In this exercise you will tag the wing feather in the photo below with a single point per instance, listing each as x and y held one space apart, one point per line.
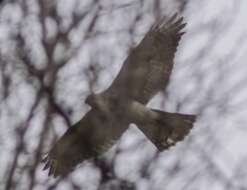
84 140
147 69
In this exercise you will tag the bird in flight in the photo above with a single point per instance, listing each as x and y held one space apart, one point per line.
144 73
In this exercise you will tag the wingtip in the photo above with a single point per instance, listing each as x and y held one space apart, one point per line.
46 166
44 159
173 23
175 18
167 21
50 173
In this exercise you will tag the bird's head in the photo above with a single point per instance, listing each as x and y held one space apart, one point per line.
90 100
98 102
95 101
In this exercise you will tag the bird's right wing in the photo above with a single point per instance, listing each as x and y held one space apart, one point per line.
148 67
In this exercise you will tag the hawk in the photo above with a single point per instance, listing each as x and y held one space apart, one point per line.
144 73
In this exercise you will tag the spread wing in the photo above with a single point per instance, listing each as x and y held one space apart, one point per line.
148 67
84 140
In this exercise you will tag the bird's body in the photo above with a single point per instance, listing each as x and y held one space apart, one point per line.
145 72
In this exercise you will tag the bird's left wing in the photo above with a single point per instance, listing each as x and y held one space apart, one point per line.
88 138
68 150
148 66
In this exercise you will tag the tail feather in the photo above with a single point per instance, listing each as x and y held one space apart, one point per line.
168 128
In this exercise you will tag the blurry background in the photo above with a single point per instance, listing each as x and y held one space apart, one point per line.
54 53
